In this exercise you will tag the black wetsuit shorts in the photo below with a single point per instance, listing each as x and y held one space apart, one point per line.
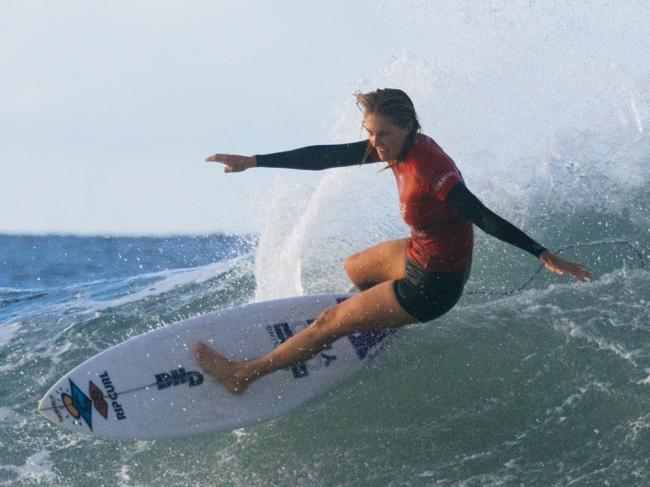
428 295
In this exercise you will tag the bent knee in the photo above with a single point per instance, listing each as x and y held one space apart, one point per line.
351 264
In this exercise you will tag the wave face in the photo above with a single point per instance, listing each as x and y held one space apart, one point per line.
540 382
546 386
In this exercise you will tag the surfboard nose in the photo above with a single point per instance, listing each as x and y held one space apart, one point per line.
50 408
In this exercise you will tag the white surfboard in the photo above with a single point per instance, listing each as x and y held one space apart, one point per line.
151 387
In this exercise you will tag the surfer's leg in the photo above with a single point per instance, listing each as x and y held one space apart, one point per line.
373 309
379 263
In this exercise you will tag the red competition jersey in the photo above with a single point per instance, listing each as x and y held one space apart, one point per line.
441 239
441 236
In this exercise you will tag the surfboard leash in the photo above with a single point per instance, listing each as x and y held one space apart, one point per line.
624 243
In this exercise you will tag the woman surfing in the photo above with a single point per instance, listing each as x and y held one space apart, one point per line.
400 282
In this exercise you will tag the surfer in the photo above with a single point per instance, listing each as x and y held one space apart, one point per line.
403 281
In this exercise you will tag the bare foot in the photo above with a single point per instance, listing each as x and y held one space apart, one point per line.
220 368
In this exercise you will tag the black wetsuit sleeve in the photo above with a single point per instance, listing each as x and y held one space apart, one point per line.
317 157
463 200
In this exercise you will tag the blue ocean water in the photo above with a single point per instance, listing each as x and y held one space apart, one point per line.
548 386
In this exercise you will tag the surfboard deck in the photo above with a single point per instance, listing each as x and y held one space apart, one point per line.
150 387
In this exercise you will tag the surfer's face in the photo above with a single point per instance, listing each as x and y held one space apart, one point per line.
385 136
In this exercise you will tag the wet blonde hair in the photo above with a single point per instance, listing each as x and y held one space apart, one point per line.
395 105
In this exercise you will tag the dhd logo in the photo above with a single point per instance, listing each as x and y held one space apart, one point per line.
178 377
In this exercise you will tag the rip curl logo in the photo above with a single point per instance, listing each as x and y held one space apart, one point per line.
443 179
98 400
112 395
281 332
178 377
78 404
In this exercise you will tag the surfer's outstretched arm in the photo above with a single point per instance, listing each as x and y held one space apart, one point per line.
471 207
373 309
312 158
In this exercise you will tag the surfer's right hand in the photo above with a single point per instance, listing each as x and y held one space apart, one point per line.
233 163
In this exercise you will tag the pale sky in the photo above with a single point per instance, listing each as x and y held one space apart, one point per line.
107 109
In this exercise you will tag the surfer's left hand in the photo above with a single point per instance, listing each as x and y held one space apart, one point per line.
560 266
